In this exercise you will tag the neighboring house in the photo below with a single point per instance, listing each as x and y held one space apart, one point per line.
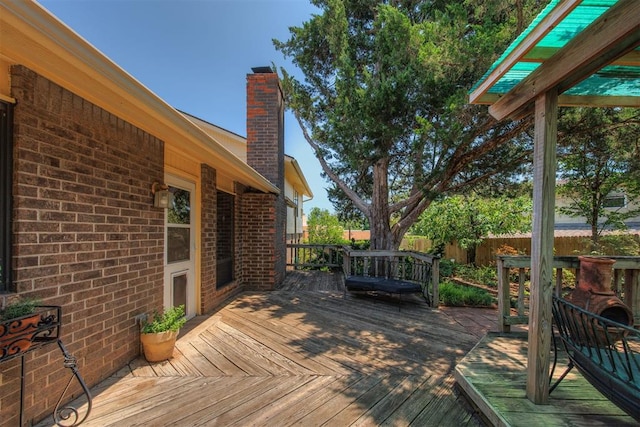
296 187
82 144
618 202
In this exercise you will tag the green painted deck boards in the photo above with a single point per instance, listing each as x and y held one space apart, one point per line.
493 375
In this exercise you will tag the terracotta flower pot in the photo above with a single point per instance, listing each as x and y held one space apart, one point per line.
595 274
16 334
158 346
593 293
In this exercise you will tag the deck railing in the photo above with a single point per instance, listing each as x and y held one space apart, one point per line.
513 285
301 256
405 265
412 266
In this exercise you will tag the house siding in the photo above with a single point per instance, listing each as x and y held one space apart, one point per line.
86 235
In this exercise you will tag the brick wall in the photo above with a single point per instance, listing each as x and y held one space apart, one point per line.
208 240
239 232
87 236
258 237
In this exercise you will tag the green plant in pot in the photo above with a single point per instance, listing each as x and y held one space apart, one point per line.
158 336
18 324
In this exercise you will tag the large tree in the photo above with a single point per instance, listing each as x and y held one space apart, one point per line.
598 163
383 101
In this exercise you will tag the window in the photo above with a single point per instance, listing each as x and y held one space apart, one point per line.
614 202
179 226
6 182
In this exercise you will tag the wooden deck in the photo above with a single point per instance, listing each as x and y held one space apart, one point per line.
307 355
303 355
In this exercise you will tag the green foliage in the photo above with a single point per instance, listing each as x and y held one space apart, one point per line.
171 320
179 212
469 219
486 275
597 159
324 228
446 267
568 278
360 245
454 295
617 245
383 103
19 308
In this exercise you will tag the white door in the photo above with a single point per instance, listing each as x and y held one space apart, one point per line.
180 254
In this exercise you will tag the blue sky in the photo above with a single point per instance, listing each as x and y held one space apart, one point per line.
195 54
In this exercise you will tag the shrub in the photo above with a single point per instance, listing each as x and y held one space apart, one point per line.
360 245
446 267
19 308
620 244
617 244
171 320
486 275
453 295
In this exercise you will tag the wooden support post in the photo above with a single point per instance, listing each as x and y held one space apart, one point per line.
558 290
540 318
346 263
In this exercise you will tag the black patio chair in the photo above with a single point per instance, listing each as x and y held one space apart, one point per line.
606 353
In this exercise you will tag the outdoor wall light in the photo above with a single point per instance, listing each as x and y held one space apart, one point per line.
162 197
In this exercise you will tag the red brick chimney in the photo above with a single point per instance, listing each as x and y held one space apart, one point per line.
265 152
265 125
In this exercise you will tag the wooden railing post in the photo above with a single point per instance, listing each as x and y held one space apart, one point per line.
521 277
559 276
346 263
435 279
504 290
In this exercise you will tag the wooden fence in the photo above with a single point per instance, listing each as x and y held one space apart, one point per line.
486 253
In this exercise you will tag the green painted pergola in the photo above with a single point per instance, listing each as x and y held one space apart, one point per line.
575 53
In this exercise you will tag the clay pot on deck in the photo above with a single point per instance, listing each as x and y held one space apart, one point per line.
593 293
158 346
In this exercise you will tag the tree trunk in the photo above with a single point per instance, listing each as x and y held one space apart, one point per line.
381 237
471 255
594 225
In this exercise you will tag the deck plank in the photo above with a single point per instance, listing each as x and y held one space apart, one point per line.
280 340
199 362
210 406
277 388
234 353
301 398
